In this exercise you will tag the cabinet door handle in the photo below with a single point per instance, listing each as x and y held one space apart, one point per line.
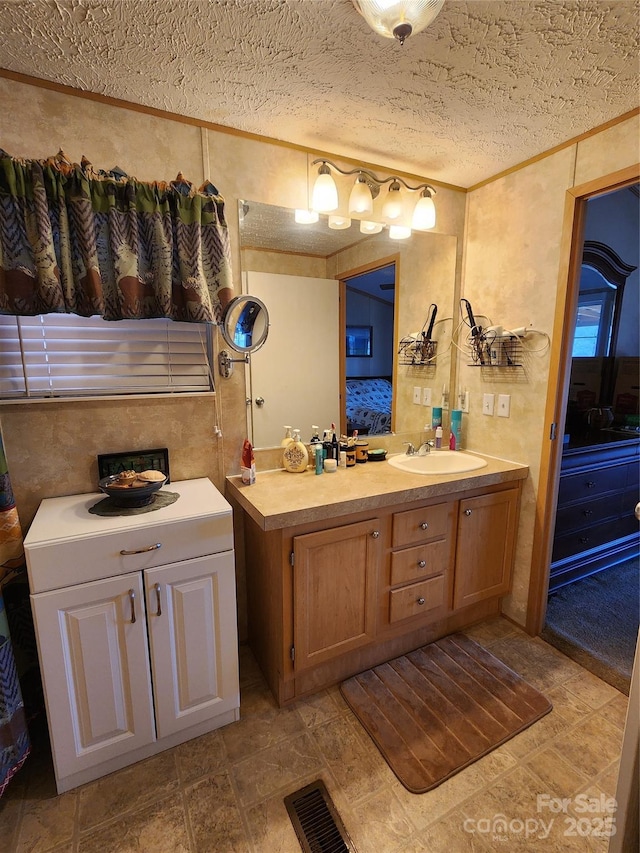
422 564
142 550
468 511
376 534
420 601
132 601
159 608
424 525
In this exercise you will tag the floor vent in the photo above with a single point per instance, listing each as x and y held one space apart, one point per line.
316 821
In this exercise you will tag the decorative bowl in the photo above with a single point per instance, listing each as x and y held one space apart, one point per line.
377 454
134 493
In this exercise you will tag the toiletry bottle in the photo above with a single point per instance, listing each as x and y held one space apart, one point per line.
335 447
438 437
287 437
455 441
326 443
315 440
319 458
436 417
295 457
247 463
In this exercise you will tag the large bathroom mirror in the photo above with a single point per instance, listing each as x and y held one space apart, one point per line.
316 281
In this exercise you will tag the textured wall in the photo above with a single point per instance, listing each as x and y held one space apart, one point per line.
512 258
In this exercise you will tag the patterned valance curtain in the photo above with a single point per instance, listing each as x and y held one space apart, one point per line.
82 241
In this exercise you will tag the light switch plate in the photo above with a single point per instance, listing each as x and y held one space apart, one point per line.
417 395
504 405
426 396
488 401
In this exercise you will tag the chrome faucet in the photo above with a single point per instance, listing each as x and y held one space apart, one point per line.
424 448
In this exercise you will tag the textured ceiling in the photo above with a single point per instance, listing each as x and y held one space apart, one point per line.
485 87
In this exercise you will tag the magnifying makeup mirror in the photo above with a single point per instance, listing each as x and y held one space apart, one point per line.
244 327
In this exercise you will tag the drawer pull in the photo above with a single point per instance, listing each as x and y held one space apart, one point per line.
468 511
422 564
159 608
420 601
590 484
132 601
583 540
587 512
142 550
424 525
376 534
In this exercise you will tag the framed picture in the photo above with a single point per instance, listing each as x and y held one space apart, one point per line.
360 341
134 460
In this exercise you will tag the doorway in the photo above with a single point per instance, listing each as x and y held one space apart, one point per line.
367 366
596 417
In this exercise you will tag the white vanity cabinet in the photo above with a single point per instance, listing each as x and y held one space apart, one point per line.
136 626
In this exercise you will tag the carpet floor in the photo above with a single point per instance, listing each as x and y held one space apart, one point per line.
594 621
438 709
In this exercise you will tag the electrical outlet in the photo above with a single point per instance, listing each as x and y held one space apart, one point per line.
417 395
464 401
426 396
488 401
504 405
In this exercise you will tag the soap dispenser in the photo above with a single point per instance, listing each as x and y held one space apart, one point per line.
295 457
288 438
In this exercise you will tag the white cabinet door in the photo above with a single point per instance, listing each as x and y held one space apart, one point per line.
193 640
95 667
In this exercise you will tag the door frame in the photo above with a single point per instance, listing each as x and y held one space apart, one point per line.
571 245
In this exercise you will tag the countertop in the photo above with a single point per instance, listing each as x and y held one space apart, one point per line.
280 499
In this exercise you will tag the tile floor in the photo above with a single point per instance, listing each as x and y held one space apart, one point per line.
224 791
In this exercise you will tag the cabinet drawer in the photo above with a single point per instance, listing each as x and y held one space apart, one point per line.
420 525
423 561
68 562
585 540
586 513
588 484
416 599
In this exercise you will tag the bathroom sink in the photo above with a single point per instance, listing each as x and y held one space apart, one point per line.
437 462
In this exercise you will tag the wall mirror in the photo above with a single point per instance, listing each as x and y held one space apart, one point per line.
303 273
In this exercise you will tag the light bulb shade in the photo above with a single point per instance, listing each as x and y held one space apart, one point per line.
370 227
305 217
339 222
324 198
398 18
392 207
360 200
424 214
399 232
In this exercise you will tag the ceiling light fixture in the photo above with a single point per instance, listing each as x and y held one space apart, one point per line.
305 217
396 208
339 222
398 18
399 232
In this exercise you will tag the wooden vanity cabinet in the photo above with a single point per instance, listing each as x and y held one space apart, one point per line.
332 598
485 546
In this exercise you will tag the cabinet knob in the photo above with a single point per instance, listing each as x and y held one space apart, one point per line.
584 540
420 601
587 512
590 484
424 525
468 511
422 564
376 534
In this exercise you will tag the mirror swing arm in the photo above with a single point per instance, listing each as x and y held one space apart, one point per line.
244 327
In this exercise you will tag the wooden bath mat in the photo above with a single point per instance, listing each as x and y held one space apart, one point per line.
434 711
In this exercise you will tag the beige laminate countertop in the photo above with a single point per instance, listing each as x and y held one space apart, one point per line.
280 499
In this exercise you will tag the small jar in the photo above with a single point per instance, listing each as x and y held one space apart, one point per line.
362 448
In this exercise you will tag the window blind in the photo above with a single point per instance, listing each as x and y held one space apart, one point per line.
62 355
